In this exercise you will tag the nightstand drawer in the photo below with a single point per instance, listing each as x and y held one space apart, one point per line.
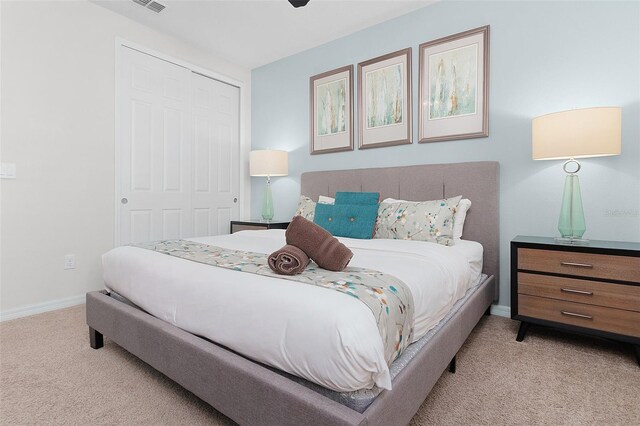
588 316
582 291
610 267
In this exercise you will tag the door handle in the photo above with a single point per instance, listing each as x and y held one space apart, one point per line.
124 201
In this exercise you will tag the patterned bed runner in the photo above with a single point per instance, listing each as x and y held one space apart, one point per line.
388 298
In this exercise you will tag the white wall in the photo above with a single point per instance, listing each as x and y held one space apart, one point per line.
57 103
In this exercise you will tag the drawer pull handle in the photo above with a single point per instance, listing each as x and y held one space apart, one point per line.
579 265
569 290
571 314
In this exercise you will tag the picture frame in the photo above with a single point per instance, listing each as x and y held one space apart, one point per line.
331 111
453 87
385 100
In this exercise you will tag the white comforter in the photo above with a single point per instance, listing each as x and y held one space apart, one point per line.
312 332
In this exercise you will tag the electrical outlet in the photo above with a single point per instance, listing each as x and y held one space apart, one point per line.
623 212
70 261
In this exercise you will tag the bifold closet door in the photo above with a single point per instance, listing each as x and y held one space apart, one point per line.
179 156
155 149
216 153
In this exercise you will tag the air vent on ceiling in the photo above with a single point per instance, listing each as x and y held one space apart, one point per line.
155 6
151 5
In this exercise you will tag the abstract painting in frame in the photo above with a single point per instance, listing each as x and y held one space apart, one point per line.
331 109
384 100
454 87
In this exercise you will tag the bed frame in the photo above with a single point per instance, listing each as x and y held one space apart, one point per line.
252 394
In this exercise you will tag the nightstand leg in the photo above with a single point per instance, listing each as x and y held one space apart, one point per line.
636 349
522 331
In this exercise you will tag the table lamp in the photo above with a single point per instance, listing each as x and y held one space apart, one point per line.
580 133
268 163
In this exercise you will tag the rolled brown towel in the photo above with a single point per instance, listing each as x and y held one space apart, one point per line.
289 260
318 244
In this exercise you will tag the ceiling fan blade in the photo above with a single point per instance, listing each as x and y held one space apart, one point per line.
298 3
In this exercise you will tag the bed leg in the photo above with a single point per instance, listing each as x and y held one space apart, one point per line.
522 331
452 365
488 311
95 339
636 349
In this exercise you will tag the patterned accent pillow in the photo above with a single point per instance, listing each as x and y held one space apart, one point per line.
306 208
421 221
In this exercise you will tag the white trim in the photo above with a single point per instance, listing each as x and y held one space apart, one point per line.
117 143
39 308
245 147
217 76
501 311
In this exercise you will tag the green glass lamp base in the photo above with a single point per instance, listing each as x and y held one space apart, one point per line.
571 224
267 202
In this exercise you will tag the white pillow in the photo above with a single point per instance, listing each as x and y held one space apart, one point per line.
458 218
326 200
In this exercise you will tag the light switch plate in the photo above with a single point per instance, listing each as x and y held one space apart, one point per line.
70 261
7 170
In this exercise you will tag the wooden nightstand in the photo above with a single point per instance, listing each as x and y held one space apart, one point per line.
256 225
592 289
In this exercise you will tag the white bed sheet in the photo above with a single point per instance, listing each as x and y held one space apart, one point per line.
309 331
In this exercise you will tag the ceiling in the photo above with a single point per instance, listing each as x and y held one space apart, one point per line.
252 33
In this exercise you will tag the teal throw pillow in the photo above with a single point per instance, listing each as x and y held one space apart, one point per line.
359 198
347 220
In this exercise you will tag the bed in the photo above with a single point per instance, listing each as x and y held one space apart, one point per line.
250 392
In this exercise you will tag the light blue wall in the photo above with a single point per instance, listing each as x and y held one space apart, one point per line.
545 57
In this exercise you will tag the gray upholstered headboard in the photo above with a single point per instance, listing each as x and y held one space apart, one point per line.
477 181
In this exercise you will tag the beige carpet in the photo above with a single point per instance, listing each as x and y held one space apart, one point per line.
50 375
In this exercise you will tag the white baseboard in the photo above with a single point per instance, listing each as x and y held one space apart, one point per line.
501 310
39 308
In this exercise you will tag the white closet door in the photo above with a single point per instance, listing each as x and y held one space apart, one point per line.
216 155
155 149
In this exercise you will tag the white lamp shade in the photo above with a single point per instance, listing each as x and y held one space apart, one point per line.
580 133
268 163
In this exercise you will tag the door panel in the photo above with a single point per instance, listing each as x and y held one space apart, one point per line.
223 220
173 145
141 147
225 157
171 224
202 130
201 221
140 225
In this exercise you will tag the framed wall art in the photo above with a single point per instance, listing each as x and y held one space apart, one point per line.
384 100
454 87
331 109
